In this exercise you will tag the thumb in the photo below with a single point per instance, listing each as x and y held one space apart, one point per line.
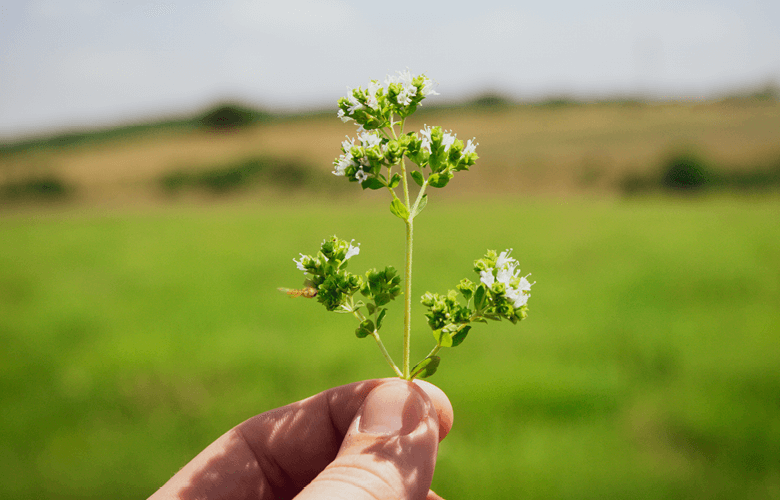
389 451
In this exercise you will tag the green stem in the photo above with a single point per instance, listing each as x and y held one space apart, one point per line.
408 295
433 351
386 354
382 348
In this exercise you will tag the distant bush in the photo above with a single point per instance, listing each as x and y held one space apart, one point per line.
685 171
558 102
48 187
231 116
491 100
224 178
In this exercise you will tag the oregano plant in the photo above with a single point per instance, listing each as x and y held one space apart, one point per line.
386 157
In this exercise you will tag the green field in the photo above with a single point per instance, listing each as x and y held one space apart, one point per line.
649 366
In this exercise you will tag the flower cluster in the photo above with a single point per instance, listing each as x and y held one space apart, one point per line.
373 107
503 278
378 147
326 272
500 293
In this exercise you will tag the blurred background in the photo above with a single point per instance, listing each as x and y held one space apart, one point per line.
161 163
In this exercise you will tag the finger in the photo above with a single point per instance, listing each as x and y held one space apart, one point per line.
389 451
433 496
275 454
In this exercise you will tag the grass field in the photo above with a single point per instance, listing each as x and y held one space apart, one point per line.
648 367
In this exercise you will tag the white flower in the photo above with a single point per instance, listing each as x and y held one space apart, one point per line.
361 176
408 90
343 116
516 289
504 259
487 277
447 140
345 161
505 274
372 101
427 87
426 138
299 263
471 146
520 295
353 101
348 143
370 139
353 250
521 300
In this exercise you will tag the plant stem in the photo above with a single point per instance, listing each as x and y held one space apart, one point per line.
407 274
408 296
433 351
382 348
386 354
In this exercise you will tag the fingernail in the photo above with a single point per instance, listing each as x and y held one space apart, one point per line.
392 408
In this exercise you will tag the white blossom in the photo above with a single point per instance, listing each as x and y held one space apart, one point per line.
360 175
504 259
347 144
345 161
371 100
370 139
343 116
355 104
427 88
447 140
471 146
408 90
353 250
426 138
487 277
299 263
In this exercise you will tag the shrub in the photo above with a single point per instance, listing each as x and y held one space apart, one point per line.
231 116
685 171
227 177
47 187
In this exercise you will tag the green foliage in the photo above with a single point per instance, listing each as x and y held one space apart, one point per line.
46 187
232 176
231 116
381 286
685 171
688 172
426 367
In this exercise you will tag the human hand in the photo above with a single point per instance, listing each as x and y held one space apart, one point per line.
376 440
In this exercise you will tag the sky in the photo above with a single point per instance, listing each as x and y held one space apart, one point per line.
90 63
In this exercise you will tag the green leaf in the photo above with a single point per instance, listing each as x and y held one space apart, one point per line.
480 296
371 308
460 336
372 183
399 209
418 177
395 180
365 329
443 339
421 205
380 318
426 367
439 180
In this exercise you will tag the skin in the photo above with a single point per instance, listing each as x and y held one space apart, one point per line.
371 440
